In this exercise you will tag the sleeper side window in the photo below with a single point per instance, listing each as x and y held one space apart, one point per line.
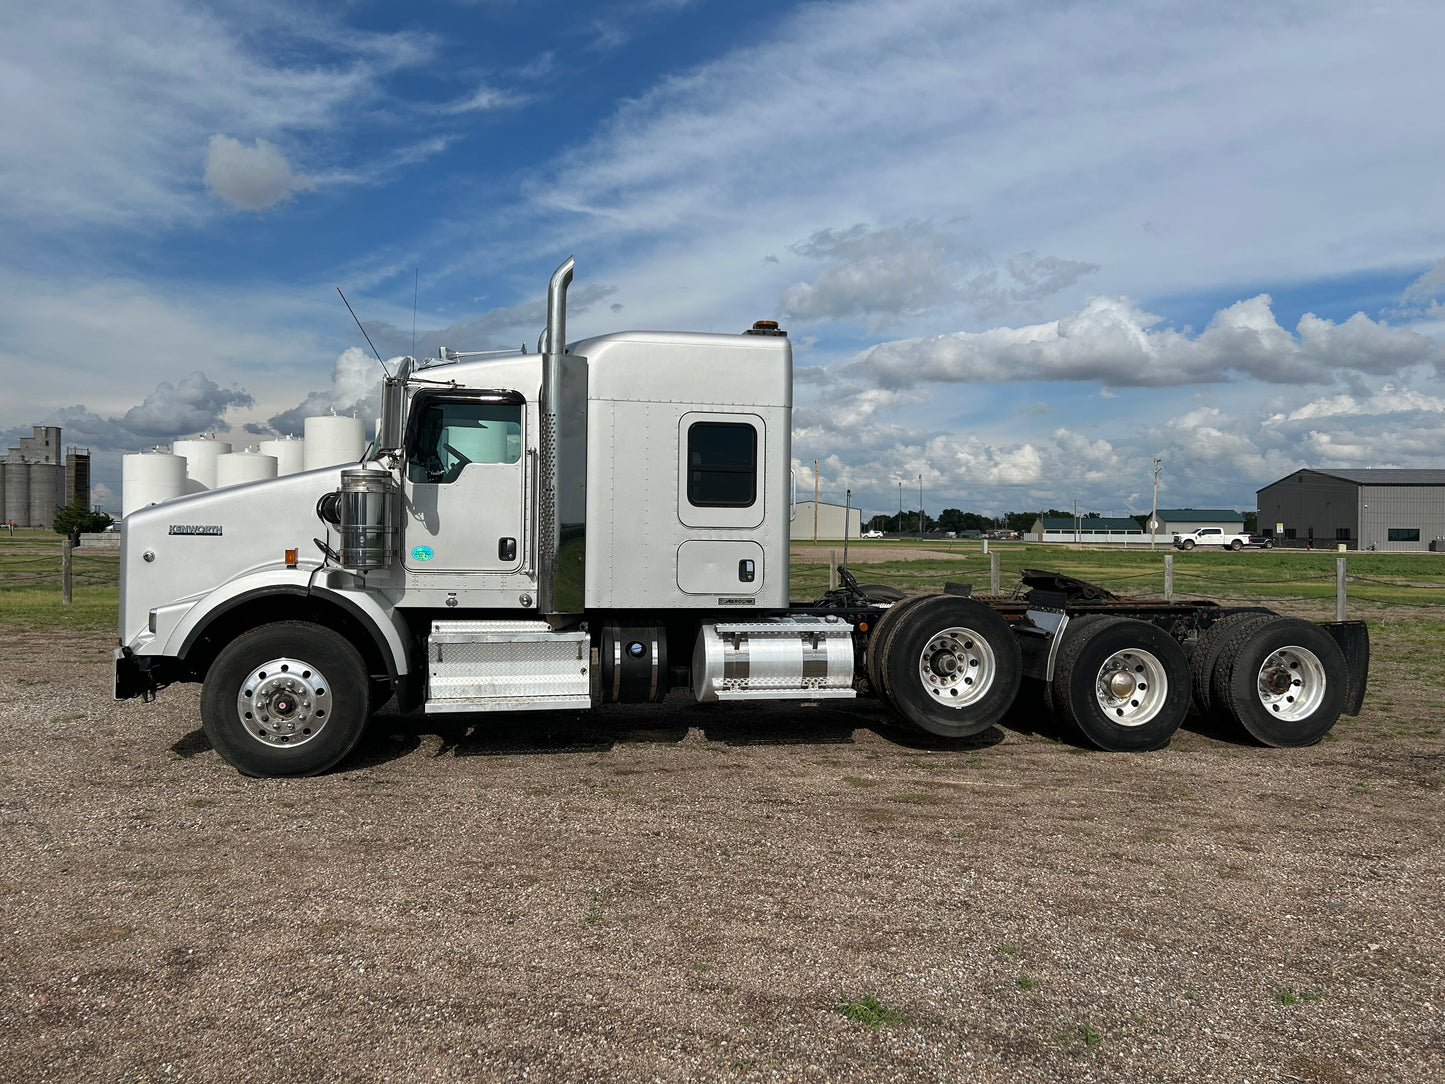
451 434
722 465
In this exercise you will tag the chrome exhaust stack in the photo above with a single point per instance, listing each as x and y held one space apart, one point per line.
549 527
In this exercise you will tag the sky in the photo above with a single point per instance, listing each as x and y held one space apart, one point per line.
1020 249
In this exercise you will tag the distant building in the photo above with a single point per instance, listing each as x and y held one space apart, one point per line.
830 522
1374 508
1180 520
37 479
1084 529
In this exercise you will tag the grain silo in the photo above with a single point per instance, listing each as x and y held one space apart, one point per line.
2 491
200 456
17 493
331 440
233 468
290 454
150 478
47 491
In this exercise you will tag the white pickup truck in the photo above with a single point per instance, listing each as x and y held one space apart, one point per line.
1210 536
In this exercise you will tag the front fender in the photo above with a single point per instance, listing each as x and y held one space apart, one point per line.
386 627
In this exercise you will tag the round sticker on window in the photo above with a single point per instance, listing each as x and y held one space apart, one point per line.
421 553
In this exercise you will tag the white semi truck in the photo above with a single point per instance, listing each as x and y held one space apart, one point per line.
608 520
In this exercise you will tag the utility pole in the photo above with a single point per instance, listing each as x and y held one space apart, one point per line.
900 507
1154 505
920 508
815 502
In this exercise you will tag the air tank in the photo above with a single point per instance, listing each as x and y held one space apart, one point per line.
150 478
43 486
290 455
331 440
233 468
200 456
17 494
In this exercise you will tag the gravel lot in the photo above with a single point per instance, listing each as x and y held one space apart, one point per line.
689 893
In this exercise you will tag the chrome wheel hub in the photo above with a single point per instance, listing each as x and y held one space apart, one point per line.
1131 687
957 667
284 702
1291 683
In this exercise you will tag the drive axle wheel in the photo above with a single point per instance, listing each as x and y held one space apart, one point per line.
289 698
883 627
1123 683
950 666
1283 680
1207 650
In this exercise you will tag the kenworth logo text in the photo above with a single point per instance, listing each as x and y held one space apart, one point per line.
195 528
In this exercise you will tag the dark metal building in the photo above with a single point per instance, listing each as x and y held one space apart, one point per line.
1374 509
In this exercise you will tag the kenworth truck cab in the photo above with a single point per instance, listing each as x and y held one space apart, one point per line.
608 520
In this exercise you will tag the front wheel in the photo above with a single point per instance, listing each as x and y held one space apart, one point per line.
1123 683
1187 544
951 666
290 698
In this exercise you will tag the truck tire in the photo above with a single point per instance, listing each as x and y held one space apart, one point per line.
1282 679
290 698
1236 545
951 666
886 622
1207 650
1187 544
1123 683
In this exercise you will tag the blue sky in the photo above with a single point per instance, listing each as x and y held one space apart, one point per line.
1021 249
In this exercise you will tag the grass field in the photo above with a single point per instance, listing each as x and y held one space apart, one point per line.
1406 588
1407 581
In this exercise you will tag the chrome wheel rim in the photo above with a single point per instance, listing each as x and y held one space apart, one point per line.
957 667
1131 687
284 702
1291 683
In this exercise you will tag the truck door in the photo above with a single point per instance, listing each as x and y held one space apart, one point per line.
464 487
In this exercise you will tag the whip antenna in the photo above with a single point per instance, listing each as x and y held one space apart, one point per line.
364 335
415 281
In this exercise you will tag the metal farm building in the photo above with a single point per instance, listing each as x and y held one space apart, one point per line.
1374 509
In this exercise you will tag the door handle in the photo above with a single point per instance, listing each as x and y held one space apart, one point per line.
506 549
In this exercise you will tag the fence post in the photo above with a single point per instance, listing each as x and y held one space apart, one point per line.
993 573
1339 588
65 548
832 570
1168 576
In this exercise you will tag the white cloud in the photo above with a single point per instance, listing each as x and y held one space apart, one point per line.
1065 128
110 106
251 178
1111 341
485 99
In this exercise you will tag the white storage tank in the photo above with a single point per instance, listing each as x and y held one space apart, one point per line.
290 454
43 485
17 494
331 440
233 468
149 478
2 491
200 456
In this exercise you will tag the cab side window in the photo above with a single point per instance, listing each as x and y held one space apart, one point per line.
722 464
451 434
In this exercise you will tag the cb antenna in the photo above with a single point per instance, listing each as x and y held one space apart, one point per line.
415 282
364 335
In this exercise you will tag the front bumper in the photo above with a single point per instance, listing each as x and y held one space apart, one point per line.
139 675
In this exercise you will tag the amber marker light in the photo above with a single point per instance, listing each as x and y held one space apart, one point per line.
291 558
